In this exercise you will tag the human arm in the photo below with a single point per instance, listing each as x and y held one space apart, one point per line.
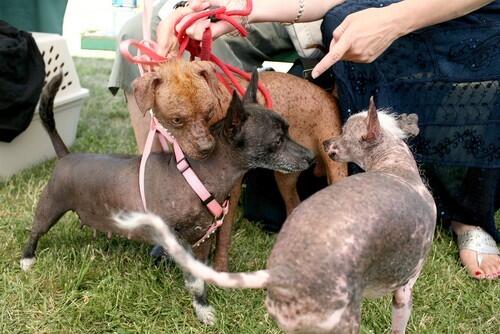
263 11
363 36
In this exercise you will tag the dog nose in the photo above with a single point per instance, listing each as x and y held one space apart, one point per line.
326 144
206 151
310 159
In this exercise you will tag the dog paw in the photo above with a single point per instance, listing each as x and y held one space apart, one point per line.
205 313
26 263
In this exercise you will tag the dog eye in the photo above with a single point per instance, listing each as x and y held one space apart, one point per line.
210 114
278 141
177 121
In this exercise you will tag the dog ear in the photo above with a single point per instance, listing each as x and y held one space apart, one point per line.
253 85
409 124
373 126
235 117
144 90
208 71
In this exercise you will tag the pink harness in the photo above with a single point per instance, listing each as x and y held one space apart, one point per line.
147 55
217 210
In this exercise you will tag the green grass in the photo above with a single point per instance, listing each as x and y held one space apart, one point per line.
82 285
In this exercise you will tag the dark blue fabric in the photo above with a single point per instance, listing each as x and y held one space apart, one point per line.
448 74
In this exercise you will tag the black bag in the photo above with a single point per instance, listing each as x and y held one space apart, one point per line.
22 73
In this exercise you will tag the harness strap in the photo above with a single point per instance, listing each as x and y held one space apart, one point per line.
183 166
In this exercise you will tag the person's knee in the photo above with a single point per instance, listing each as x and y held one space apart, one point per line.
132 29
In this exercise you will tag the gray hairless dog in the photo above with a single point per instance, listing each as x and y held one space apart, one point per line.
97 186
364 236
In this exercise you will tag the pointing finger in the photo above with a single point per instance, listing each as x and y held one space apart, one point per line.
337 51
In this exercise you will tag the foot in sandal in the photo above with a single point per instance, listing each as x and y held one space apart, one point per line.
478 251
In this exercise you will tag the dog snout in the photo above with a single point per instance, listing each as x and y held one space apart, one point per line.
205 149
331 148
310 158
327 143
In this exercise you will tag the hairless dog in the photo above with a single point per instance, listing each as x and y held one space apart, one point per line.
364 236
187 98
97 186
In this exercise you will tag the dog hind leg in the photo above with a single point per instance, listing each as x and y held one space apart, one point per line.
401 307
48 212
350 320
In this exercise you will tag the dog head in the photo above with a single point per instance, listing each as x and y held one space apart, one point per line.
187 99
260 137
370 131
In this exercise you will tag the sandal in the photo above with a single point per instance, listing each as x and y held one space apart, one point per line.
478 241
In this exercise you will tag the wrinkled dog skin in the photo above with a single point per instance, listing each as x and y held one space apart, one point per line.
364 236
97 186
187 98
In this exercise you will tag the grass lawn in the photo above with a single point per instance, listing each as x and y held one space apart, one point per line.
82 285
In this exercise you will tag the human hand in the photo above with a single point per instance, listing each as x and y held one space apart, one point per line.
362 37
196 30
167 41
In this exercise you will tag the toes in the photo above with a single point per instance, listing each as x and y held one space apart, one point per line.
469 260
491 266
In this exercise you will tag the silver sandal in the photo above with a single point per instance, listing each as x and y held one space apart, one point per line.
479 241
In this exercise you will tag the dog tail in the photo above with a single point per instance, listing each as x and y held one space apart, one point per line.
46 112
159 232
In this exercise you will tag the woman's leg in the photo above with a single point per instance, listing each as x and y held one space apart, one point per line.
477 231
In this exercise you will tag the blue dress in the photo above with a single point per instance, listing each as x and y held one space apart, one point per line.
449 75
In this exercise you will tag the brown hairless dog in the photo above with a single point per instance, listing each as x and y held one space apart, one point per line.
187 98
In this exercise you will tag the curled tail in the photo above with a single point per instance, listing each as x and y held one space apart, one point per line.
160 233
46 112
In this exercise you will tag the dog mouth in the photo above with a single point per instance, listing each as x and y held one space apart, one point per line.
293 169
333 156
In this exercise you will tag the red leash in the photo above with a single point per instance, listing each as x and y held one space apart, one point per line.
147 56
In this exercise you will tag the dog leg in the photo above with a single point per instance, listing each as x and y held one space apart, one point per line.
47 214
351 319
287 185
224 233
197 287
401 306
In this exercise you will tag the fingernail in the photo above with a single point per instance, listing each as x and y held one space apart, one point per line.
314 74
477 273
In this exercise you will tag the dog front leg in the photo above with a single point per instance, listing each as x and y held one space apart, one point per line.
197 287
287 185
223 242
